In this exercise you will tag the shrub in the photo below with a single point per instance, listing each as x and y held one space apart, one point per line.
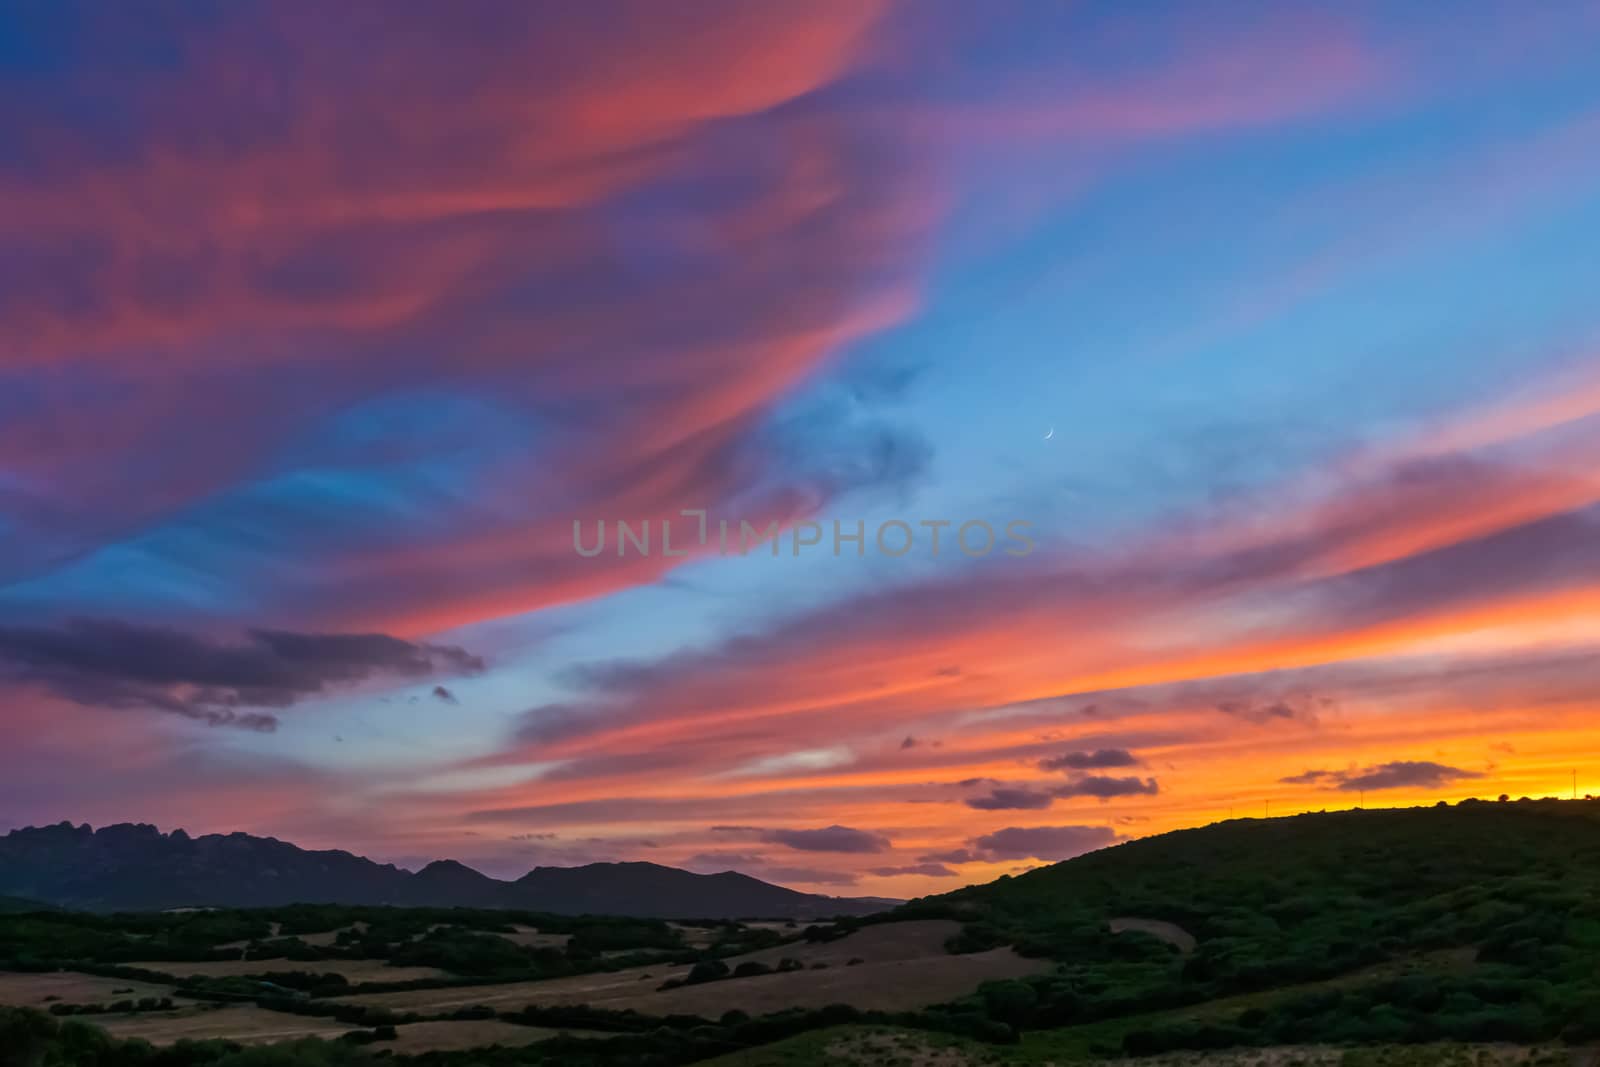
706 971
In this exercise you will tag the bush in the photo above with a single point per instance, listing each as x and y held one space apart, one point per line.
368 1037
706 971
1009 1001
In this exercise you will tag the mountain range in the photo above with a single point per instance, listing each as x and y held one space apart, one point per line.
136 867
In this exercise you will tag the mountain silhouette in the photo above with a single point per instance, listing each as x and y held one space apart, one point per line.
136 867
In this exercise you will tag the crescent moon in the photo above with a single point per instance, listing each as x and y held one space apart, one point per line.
1050 434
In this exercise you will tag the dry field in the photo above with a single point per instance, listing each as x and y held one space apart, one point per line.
895 985
883 943
250 1025
245 1024
70 987
353 970
905 966
476 1033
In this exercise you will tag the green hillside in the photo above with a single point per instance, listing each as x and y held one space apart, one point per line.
1479 922
17 905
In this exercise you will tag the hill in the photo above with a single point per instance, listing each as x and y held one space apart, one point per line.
618 888
131 867
1477 922
17 905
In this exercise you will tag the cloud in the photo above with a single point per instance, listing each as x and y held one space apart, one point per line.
1264 710
1308 777
527 224
1097 759
119 664
1021 798
1094 785
805 875
1399 774
440 693
1042 842
1406 773
829 839
1258 714
758 866
1009 799
925 870
954 855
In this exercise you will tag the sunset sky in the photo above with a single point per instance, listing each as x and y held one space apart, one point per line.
321 326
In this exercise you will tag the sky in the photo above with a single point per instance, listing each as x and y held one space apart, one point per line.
1244 359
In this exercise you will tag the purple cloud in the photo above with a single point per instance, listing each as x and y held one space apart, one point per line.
1398 774
927 870
1043 842
829 839
103 662
1008 799
1094 785
1085 761
954 855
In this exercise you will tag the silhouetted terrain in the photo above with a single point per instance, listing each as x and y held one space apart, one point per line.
131 867
14 905
1473 922
1462 935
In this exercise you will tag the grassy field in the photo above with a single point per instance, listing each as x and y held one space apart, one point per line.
70 987
249 1025
353 970
246 1024
415 1038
